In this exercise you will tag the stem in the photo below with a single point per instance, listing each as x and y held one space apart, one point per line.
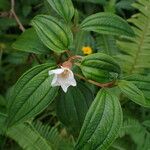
21 27
102 85
68 53
75 57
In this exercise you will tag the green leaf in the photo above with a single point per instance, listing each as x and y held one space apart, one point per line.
102 123
142 82
6 23
28 138
136 52
54 34
73 106
2 104
2 101
138 132
2 123
31 94
106 44
26 10
4 5
100 67
132 92
102 2
29 42
63 7
107 23
52 135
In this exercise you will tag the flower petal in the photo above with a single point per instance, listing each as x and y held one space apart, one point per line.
71 79
65 87
55 71
73 82
54 81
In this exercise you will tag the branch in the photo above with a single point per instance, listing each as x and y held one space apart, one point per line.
102 85
21 27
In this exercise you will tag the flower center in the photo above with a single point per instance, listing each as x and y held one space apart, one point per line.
65 74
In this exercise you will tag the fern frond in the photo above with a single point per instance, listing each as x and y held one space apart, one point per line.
139 133
28 138
52 135
37 136
135 53
121 144
129 125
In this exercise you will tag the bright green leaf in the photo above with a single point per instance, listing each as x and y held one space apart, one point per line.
63 7
55 35
107 23
142 82
31 94
102 123
100 67
28 138
132 92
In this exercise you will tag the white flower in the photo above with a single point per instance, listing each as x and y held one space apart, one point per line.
63 77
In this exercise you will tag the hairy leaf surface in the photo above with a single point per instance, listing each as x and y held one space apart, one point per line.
54 34
31 94
107 23
132 92
100 67
102 123
143 83
63 7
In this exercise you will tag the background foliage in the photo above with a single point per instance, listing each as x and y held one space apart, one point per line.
34 37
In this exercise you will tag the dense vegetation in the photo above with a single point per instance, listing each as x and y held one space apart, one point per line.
74 75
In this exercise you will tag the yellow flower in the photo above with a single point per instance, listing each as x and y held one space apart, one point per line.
87 50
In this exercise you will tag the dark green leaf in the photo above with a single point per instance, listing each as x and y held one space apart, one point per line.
29 42
100 67
73 106
63 7
107 23
102 123
31 94
2 122
54 34
93 1
4 5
